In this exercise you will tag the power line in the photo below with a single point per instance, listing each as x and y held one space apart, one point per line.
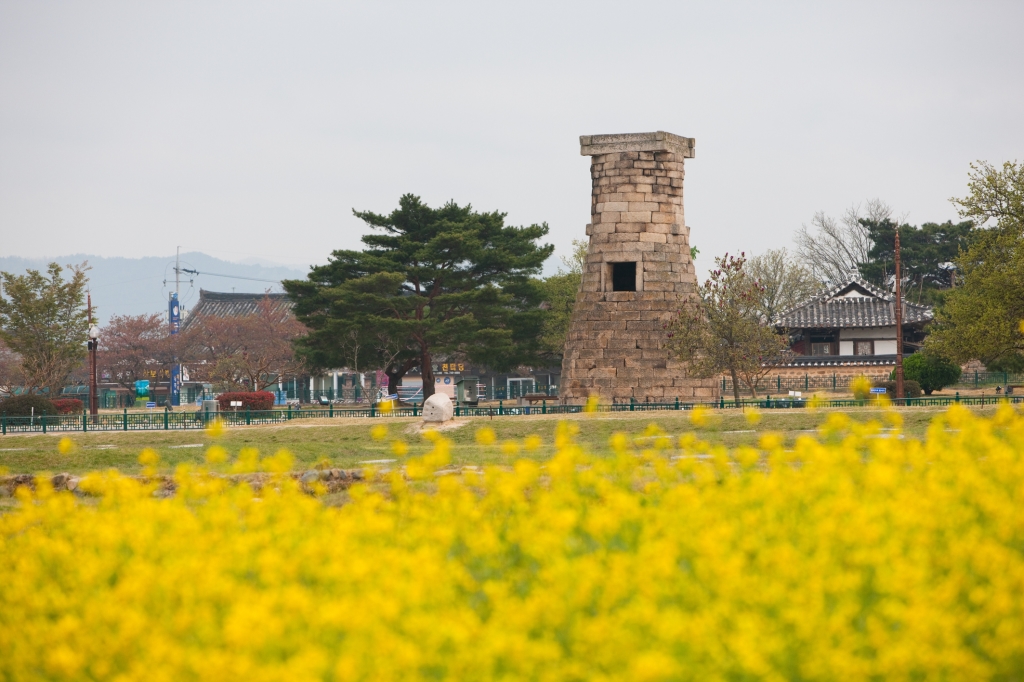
214 274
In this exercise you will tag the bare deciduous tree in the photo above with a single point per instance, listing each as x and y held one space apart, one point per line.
134 346
246 351
833 249
784 282
12 375
719 331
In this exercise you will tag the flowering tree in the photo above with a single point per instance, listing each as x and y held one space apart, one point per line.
720 329
249 351
133 347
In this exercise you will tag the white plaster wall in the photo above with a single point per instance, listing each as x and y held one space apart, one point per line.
869 333
885 347
846 347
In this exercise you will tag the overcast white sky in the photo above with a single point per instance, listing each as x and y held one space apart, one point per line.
251 130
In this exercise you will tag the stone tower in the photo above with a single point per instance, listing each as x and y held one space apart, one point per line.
638 269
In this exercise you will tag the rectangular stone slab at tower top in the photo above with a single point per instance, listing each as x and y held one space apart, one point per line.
638 270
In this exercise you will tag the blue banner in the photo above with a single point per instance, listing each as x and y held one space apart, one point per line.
174 314
175 385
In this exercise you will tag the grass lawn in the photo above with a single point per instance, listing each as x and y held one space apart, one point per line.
347 444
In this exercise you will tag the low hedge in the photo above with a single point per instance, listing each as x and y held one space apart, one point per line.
68 405
27 405
256 400
911 389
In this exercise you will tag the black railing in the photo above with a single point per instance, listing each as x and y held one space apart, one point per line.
176 421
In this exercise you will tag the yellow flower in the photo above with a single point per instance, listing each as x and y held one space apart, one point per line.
753 416
700 416
582 566
400 448
770 441
248 461
280 463
510 448
591 404
379 431
532 442
386 406
431 435
861 388
215 429
215 454
150 461
66 446
486 436
149 457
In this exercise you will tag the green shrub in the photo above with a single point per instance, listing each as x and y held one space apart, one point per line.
931 371
911 389
22 406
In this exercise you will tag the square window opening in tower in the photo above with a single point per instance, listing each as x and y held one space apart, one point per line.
624 276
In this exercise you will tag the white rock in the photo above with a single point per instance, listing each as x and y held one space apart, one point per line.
438 408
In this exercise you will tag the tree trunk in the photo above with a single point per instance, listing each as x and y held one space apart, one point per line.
735 386
394 378
427 372
395 373
752 385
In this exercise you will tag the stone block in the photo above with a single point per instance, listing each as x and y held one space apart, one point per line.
634 217
438 408
660 141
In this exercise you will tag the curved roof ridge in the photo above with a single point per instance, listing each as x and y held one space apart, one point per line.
863 284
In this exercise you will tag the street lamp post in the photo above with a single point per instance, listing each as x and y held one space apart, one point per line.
898 310
94 340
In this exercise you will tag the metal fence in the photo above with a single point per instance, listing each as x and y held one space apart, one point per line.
177 421
839 382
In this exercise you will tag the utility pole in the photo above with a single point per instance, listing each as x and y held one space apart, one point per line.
898 310
174 387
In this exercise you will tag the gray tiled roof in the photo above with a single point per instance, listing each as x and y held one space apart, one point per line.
218 304
839 361
871 307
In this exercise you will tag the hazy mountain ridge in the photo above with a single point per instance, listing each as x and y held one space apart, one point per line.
133 286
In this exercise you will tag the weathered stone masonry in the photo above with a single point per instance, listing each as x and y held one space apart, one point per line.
638 269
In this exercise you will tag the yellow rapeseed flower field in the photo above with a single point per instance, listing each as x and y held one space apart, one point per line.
857 555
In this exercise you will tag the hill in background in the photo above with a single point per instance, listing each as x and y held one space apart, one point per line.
133 286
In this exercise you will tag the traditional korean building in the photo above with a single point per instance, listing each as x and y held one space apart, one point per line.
850 330
221 304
